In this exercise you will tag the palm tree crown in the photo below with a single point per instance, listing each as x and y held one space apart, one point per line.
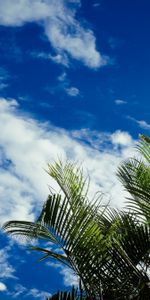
109 250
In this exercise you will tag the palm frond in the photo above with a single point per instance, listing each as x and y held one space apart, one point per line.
71 180
50 254
29 230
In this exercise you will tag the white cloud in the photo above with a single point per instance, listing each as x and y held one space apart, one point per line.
4 76
64 85
80 45
97 4
26 146
58 58
38 294
103 140
121 138
18 12
141 123
3 287
69 277
120 102
20 290
62 77
67 35
6 269
72 91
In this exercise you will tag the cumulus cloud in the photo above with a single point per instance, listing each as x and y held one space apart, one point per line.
3 287
67 35
26 146
121 138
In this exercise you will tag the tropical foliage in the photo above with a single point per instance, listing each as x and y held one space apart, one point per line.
109 250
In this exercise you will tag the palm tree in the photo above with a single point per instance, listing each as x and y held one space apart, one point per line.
107 249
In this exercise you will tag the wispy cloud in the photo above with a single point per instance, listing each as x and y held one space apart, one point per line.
21 291
4 76
72 91
115 43
96 4
6 269
58 58
67 35
120 102
7 272
63 84
38 294
141 123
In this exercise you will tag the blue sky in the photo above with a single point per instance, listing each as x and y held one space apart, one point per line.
74 83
